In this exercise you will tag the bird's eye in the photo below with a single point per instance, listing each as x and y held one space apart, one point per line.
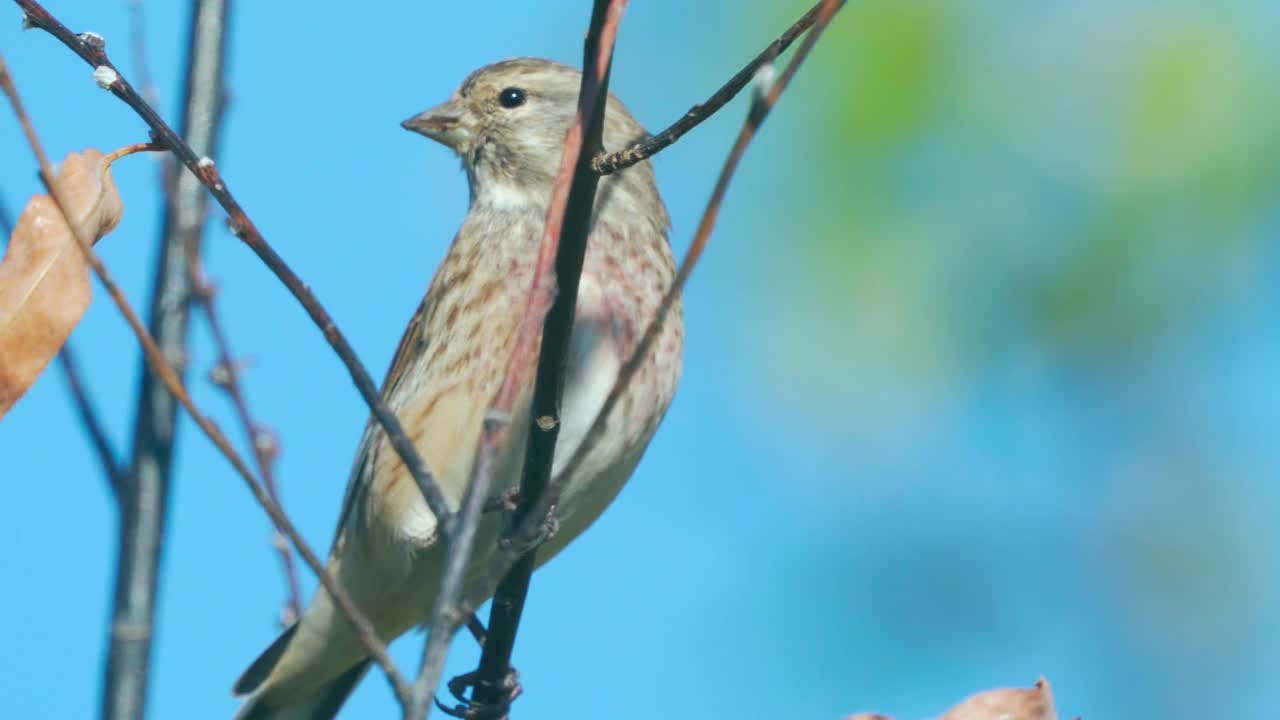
512 97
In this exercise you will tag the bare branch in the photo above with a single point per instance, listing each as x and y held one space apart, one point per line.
611 162
529 527
144 508
117 477
244 228
363 628
226 376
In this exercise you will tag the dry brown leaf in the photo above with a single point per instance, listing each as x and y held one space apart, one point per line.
1007 704
44 278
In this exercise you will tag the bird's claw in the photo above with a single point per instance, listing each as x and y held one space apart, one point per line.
506 502
507 690
546 530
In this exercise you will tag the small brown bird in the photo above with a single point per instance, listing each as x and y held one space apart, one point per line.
507 121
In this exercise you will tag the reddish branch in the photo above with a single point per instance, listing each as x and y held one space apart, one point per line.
564 246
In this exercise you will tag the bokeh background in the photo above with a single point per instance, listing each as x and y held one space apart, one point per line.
982 378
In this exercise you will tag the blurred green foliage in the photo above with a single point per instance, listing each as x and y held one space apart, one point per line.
1025 309
1098 185
1085 179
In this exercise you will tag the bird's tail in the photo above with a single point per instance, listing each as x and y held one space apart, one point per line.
321 703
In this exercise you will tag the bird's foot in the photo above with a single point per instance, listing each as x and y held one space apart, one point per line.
505 691
506 502
545 530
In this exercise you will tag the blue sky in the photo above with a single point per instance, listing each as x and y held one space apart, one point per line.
787 547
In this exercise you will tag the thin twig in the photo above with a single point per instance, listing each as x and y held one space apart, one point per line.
117 477
529 530
144 509
611 162
363 628
226 375
244 228
107 456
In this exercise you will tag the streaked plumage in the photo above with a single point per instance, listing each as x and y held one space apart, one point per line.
451 362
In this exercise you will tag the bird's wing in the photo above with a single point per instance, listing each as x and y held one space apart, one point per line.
445 372
412 344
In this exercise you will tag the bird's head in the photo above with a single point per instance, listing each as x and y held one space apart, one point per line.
508 121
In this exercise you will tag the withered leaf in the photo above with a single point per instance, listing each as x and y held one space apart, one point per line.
44 278
1007 704
1003 704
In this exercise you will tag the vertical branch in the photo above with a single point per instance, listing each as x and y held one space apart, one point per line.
549 313
143 506
767 95
544 428
117 478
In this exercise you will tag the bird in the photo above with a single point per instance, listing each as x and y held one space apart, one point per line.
507 122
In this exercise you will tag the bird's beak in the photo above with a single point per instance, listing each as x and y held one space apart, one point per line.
445 123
